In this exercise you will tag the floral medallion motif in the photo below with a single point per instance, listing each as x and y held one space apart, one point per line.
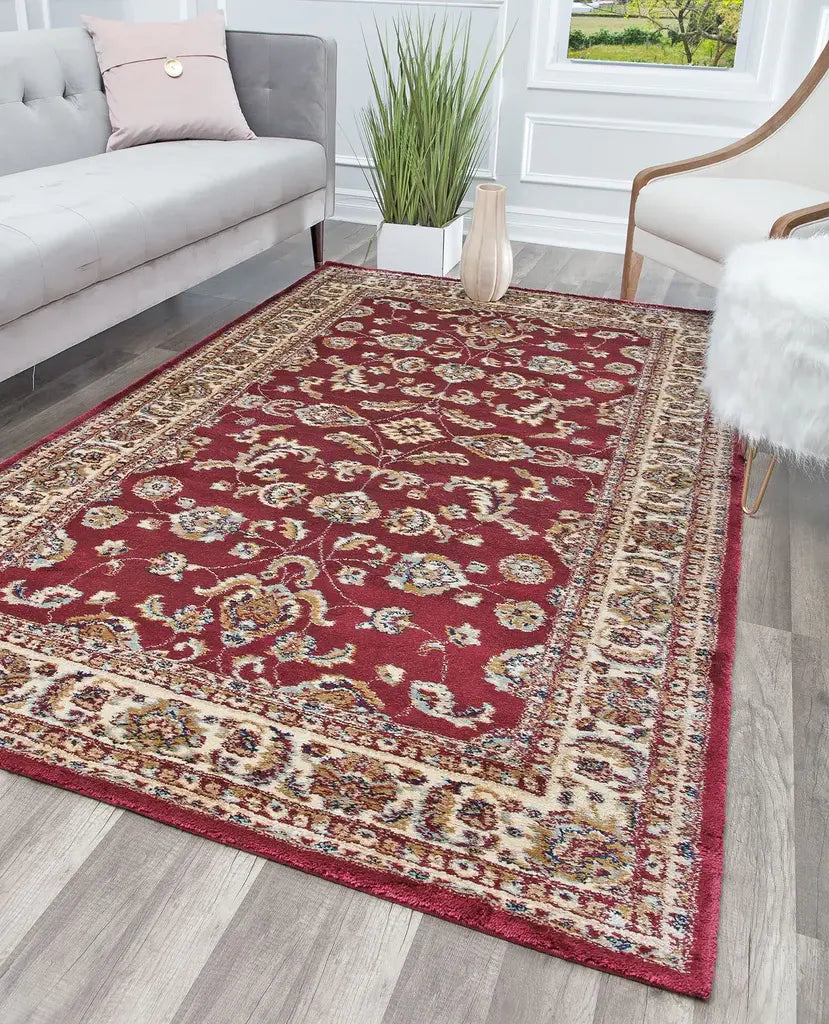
424 597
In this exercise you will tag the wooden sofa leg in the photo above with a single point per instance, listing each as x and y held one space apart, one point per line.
318 242
630 275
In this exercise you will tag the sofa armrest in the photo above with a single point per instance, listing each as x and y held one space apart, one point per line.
287 87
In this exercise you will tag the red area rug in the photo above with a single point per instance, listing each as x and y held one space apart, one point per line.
431 599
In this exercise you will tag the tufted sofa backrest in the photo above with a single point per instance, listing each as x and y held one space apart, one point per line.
52 105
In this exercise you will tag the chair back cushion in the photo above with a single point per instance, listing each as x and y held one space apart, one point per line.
797 151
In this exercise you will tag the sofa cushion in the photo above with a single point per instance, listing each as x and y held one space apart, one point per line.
68 226
711 215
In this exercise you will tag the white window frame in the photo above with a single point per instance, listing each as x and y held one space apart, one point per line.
752 78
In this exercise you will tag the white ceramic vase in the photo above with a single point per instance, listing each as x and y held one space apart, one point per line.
486 262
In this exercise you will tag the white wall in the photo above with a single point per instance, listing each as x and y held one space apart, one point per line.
567 136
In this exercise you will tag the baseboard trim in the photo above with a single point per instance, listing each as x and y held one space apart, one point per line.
356 205
566 228
525 223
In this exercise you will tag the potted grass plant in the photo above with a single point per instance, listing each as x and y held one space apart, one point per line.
423 135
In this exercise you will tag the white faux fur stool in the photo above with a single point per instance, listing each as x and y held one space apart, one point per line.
767 371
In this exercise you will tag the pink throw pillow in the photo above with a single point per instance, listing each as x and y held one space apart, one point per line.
167 80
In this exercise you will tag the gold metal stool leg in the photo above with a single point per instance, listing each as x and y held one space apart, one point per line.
751 453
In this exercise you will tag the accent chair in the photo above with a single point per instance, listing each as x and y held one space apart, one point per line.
690 214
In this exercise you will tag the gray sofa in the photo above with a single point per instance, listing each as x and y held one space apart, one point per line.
89 238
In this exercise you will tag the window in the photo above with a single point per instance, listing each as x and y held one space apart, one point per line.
701 33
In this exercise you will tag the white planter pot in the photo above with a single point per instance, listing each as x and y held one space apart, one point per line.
419 250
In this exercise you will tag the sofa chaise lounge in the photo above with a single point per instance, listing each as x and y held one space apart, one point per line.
90 238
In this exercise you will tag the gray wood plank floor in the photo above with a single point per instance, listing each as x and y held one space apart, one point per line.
110 918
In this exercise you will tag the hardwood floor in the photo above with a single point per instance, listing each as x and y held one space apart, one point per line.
110 918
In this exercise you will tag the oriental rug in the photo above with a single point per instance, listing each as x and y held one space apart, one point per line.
432 599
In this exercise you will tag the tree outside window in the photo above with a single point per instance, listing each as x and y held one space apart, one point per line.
686 32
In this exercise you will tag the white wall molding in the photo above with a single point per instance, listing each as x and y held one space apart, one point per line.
359 160
352 160
577 181
567 228
629 124
524 223
739 88
715 135
356 204
21 15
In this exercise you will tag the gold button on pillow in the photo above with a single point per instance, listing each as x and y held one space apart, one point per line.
173 67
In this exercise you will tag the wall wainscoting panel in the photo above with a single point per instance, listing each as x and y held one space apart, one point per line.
557 147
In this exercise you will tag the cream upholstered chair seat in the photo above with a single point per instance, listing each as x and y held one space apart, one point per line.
690 215
712 215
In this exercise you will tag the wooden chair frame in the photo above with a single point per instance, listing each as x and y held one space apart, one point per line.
782 227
